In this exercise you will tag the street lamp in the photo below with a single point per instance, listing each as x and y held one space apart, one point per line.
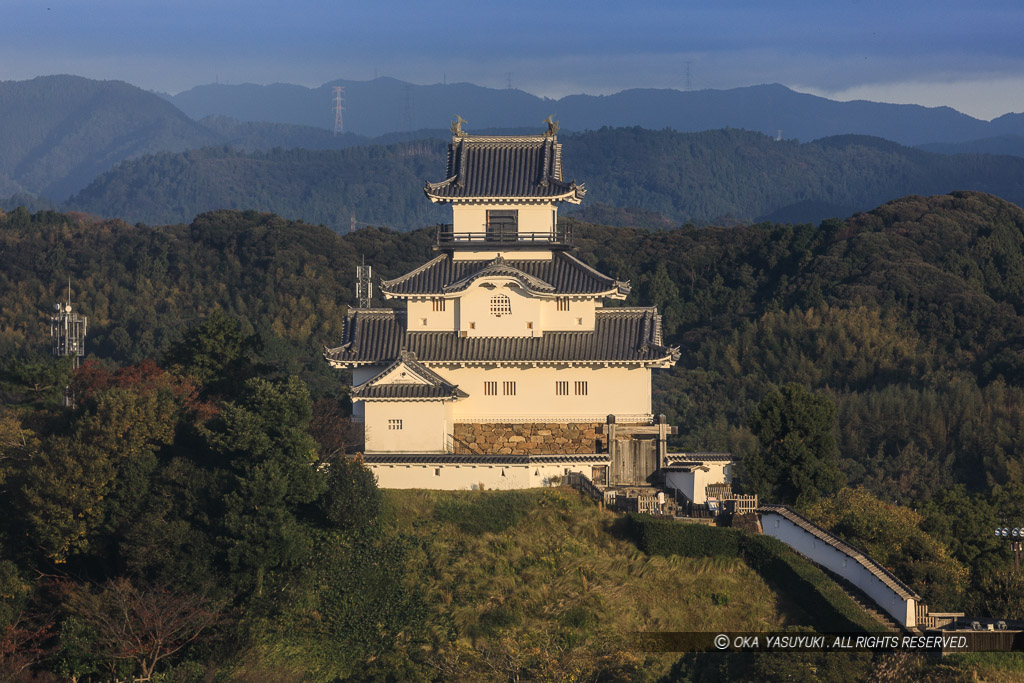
1016 538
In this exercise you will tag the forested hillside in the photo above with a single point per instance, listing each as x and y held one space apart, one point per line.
908 318
723 176
60 132
916 304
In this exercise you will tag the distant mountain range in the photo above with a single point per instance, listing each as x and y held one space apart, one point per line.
386 105
634 177
57 133
60 134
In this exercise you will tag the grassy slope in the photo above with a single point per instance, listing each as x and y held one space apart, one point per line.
555 591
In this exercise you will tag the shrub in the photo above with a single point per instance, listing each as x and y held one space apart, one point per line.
484 512
663 537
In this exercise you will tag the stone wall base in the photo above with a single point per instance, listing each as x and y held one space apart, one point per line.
531 438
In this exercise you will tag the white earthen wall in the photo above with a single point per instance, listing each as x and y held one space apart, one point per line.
468 477
807 544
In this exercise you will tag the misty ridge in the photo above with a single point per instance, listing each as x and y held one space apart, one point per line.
652 158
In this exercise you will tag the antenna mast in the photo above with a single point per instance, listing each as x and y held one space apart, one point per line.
339 91
67 330
364 285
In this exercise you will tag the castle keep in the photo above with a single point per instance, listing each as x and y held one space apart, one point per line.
505 369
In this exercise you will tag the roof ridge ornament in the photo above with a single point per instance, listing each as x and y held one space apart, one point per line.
552 126
456 126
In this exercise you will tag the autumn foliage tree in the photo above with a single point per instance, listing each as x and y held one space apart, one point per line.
141 625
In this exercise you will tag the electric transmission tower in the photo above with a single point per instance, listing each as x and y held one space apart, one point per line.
409 121
339 92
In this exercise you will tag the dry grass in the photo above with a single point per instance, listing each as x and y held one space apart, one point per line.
556 592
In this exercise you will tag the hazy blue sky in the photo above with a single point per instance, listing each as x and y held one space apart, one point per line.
968 55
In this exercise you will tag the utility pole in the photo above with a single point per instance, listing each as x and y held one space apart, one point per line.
1015 537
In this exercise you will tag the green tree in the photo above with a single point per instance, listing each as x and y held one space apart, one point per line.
351 499
265 438
60 496
999 594
893 535
217 353
798 459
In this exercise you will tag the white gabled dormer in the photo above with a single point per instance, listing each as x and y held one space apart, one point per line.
499 297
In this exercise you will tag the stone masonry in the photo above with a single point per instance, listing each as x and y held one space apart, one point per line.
535 438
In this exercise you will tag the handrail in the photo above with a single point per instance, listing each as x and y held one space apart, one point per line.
501 233
582 483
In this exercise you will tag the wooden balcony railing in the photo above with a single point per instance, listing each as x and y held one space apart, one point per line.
501 235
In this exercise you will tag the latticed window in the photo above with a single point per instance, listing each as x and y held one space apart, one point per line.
581 388
509 388
438 305
490 388
500 305
394 424
561 388
563 304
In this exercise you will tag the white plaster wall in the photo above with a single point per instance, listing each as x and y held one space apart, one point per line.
613 390
360 374
532 217
694 484
423 310
473 311
682 482
507 254
805 543
579 317
475 306
424 426
449 477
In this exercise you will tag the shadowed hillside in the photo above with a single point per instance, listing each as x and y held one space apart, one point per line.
722 176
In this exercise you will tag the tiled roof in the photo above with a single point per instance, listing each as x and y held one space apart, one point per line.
880 572
505 166
699 458
620 335
438 387
562 274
